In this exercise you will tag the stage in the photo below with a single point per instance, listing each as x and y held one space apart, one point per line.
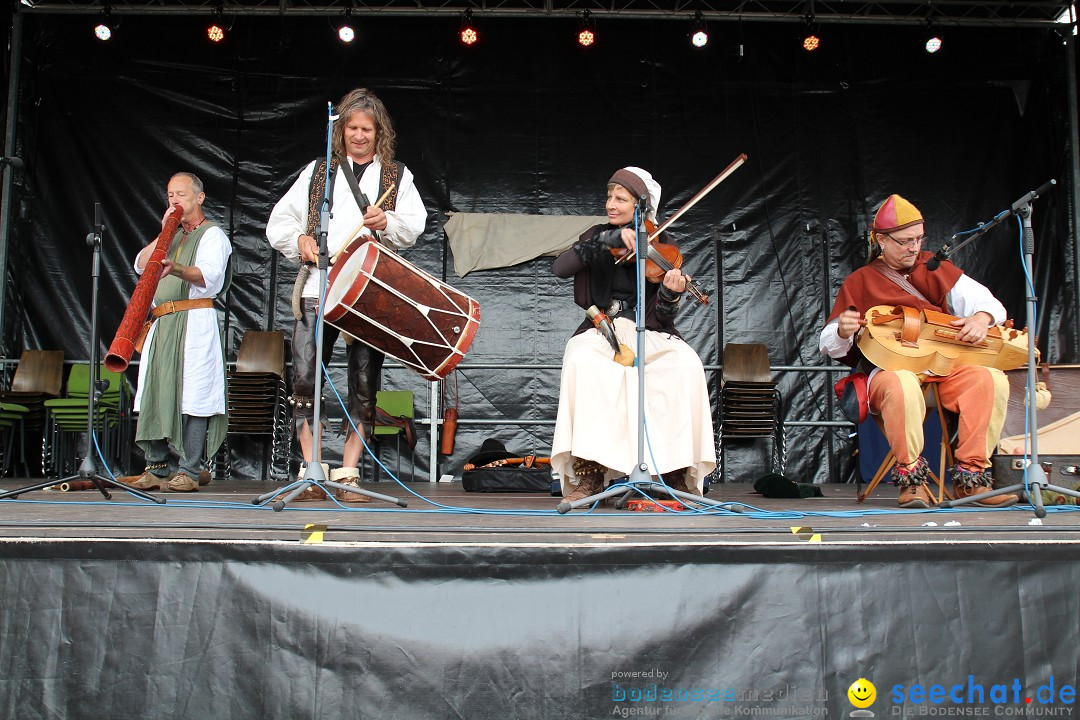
470 605
444 512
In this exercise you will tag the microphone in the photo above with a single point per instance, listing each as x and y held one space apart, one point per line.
935 262
14 162
943 254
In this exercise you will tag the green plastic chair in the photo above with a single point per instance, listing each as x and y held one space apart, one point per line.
396 403
67 417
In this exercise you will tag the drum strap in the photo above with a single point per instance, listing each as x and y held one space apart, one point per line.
389 177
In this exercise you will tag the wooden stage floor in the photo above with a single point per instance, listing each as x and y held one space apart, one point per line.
445 513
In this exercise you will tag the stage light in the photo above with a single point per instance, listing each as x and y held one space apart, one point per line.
699 37
345 33
103 29
933 39
810 40
215 32
468 33
586 36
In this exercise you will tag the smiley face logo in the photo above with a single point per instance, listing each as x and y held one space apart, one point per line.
862 693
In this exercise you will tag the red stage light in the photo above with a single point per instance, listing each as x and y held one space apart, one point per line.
586 37
469 36
215 33
811 43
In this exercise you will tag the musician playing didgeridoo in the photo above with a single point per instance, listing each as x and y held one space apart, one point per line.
596 430
181 394
362 167
897 274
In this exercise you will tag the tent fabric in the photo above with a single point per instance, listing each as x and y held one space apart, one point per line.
486 241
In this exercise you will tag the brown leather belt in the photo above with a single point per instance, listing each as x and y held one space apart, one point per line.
175 306
168 308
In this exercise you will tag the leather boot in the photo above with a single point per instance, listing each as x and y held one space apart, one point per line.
312 493
912 483
676 480
350 477
590 477
968 483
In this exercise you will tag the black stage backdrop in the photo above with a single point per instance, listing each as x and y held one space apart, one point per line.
528 122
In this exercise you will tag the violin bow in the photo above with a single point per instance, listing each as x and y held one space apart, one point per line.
732 167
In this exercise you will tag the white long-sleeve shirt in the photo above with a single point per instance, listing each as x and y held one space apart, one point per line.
288 219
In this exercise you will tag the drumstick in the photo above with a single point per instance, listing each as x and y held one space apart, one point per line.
356 232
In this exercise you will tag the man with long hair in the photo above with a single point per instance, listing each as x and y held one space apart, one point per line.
362 166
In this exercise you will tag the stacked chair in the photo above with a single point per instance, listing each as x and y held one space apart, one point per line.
257 399
39 376
11 424
66 423
749 400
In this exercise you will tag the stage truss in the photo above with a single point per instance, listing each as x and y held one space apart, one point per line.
945 13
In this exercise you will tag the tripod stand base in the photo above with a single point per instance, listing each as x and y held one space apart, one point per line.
625 490
1032 491
86 474
323 485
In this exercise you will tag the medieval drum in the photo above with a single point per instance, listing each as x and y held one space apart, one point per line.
395 307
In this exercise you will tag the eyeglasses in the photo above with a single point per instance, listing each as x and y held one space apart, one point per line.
907 244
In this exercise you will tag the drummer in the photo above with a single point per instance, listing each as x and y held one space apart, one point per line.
371 194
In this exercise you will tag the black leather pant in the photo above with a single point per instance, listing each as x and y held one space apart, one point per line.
365 369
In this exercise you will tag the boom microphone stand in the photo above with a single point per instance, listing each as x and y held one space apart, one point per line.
639 479
1034 474
313 473
88 468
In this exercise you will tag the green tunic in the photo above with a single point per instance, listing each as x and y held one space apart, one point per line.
160 412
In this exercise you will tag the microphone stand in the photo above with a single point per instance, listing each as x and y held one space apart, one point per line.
88 469
639 479
1035 477
313 473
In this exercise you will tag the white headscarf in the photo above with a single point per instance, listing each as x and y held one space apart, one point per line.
651 187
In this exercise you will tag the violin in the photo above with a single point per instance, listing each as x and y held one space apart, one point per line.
663 257
660 258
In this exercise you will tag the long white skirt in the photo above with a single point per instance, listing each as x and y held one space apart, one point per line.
598 408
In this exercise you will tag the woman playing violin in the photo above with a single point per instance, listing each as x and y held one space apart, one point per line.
596 429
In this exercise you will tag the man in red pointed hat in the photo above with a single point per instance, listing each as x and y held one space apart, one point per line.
897 275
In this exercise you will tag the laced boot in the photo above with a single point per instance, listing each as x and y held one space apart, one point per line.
967 483
590 477
676 480
150 479
351 477
312 493
912 483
